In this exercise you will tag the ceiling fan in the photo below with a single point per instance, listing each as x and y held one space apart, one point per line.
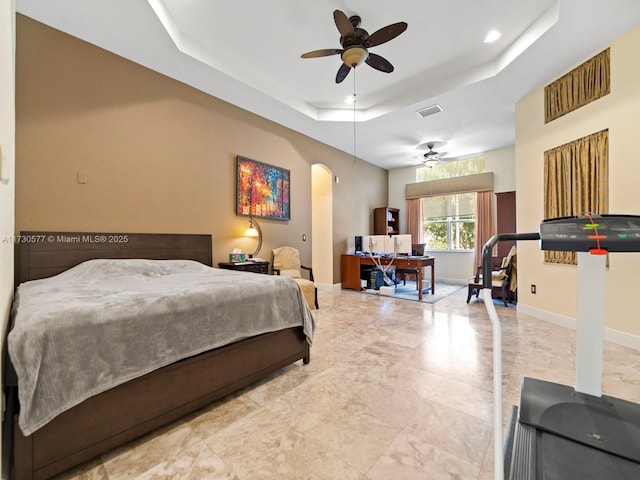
431 158
355 43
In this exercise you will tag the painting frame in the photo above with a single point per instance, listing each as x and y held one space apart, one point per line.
262 190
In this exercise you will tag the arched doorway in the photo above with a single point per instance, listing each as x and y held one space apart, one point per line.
322 224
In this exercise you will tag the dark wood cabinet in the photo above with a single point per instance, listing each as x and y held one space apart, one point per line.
386 220
506 219
255 267
350 272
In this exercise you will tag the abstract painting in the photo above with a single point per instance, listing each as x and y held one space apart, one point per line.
262 190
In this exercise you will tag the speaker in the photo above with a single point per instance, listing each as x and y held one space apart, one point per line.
358 243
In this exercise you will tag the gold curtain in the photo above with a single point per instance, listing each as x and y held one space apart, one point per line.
484 224
414 220
580 86
576 181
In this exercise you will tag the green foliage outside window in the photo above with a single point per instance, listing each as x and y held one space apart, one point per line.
460 231
464 235
435 234
457 168
449 222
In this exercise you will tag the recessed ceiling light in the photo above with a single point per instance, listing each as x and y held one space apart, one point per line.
492 36
350 99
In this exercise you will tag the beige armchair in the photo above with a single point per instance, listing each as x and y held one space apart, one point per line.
286 262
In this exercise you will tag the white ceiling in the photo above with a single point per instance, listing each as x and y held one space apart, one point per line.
248 53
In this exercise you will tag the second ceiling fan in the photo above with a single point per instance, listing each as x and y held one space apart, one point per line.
355 43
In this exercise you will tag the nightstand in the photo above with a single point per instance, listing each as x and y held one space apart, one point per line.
255 267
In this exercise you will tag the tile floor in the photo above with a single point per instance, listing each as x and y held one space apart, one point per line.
395 390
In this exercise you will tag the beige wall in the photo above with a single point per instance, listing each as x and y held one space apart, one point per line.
158 156
7 169
7 149
7 144
618 111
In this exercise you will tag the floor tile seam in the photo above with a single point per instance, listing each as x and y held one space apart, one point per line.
398 388
271 455
437 447
481 420
140 441
386 448
272 408
372 420
191 467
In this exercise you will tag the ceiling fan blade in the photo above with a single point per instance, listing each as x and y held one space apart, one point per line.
343 71
344 24
379 63
321 53
385 34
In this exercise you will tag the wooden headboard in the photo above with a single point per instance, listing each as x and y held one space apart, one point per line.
44 254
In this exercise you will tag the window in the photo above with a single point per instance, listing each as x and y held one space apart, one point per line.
449 222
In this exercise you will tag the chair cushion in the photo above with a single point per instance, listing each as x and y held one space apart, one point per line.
295 273
286 258
494 283
308 290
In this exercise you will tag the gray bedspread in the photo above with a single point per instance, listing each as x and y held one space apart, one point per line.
105 322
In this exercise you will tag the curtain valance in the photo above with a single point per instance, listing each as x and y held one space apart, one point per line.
580 86
449 186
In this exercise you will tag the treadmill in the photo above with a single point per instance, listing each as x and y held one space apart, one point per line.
559 432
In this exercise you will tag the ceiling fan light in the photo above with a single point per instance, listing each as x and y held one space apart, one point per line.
354 56
430 162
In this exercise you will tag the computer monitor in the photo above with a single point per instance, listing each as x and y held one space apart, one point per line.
398 244
357 243
388 245
373 243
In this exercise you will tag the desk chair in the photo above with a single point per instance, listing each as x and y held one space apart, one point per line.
286 262
417 250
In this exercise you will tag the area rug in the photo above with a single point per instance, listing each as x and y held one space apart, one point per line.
410 292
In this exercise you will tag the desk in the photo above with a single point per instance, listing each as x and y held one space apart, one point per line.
351 269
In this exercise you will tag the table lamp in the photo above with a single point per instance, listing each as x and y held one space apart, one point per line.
254 230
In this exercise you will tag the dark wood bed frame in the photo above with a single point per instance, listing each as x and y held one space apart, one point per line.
121 414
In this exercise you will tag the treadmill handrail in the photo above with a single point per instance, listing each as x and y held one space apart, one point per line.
498 454
488 249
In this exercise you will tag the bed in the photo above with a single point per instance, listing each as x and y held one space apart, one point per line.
123 412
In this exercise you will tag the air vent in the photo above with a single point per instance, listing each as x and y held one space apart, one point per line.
425 112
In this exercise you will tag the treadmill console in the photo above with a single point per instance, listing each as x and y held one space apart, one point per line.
595 233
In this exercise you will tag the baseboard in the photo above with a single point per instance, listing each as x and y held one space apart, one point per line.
452 281
611 335
333 287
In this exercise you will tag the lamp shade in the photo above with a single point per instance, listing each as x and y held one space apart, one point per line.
251 232
431 162
354 56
